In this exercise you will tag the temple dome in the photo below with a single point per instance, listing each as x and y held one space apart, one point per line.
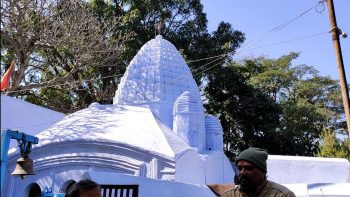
155 78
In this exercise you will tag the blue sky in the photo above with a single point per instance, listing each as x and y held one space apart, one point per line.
257 17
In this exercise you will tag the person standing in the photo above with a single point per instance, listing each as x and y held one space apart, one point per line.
251 165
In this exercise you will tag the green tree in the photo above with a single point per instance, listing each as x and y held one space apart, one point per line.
309 102
95 77
249 117
333 147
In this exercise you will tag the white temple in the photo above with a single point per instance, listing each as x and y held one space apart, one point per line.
156 129
155 135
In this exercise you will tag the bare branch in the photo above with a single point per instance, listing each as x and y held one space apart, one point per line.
66 36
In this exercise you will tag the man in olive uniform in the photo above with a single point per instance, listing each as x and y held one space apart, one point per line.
251 164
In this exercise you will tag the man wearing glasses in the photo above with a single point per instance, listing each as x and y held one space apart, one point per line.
251 164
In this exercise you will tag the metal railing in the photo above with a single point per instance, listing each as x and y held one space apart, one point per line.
120 190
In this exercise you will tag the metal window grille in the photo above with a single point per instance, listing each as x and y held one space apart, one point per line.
120 190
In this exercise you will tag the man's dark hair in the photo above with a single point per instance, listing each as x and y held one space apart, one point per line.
82 185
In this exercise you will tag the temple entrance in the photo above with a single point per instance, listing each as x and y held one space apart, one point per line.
34 190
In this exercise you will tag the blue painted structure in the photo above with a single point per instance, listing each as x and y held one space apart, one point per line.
25 143
49 193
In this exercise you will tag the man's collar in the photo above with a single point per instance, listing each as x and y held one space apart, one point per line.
258 189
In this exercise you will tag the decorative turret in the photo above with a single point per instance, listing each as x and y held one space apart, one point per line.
189 120
214 134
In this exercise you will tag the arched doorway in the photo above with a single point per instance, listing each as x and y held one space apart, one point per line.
66 186
34 190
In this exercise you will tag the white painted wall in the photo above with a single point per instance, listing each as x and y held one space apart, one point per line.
190 169
218 168
25 117
298 169
151 187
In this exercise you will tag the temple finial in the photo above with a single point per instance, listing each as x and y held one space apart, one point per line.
158 28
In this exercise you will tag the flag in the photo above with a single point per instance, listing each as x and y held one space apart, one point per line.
6 78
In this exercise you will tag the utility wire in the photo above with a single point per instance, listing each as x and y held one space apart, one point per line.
217 64
194 71
219 57
207 58
283 42
278 28
200 69
247 45
267 34
263 46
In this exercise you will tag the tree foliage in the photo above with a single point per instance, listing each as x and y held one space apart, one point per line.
58 46
331 146
78 54
307 101
249 117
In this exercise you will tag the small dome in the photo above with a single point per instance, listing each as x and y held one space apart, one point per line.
186 103
212 124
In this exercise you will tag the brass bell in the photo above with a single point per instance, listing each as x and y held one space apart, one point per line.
24 167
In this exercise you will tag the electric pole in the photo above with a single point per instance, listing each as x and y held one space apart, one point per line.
336 32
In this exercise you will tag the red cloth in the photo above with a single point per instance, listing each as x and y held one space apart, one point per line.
7 76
